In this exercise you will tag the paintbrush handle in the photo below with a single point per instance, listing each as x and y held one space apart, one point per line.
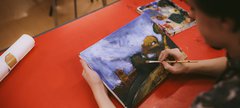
181 61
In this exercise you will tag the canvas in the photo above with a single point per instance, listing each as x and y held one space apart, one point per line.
168 16
120 60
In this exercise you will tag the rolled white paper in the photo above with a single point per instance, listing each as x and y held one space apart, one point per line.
3 70
15 53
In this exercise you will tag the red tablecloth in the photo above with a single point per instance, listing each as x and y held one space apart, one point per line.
50 75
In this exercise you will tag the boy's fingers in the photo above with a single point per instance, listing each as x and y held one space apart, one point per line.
164 56
84 74
167 66
175 53
160 56
84 64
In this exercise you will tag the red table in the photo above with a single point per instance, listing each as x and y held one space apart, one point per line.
50 75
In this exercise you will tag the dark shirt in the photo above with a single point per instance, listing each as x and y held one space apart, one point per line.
226 91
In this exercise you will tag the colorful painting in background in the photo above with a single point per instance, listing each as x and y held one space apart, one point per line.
168 16
120 60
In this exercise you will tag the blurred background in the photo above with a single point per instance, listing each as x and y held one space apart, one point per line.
32 17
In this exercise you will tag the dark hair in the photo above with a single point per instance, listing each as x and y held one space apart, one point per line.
222 9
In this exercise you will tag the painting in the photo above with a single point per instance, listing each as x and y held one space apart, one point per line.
120 60
168 16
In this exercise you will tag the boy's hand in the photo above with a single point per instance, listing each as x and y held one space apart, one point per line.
175 68
91 77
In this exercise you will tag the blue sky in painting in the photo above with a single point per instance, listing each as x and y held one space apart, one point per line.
114 51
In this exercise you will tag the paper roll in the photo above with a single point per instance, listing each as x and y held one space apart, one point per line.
3 70
15 53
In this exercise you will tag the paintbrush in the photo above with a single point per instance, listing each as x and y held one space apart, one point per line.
176 61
